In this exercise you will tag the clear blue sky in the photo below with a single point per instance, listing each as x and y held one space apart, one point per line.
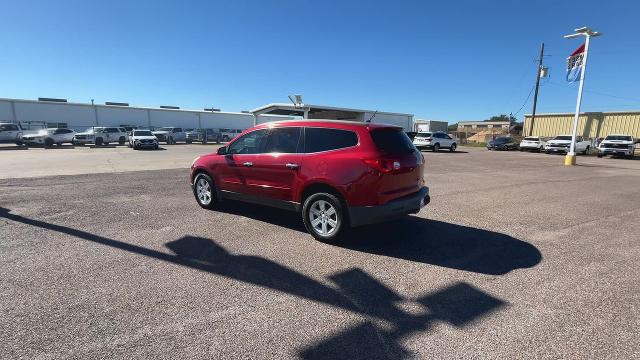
449 60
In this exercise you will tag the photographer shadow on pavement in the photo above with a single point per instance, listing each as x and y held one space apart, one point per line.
417 239
458 304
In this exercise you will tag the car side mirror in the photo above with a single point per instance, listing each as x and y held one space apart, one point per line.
222 150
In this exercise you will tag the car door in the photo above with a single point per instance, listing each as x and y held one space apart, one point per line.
447 140
236 174
275 170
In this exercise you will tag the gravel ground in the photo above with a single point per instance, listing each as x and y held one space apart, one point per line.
516 257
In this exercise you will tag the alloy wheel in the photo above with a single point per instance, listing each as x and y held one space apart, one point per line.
203 191
323 217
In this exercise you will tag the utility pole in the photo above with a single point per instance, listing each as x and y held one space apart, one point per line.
535 94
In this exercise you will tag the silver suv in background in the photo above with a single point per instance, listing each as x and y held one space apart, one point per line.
10 133
228 134
203 135
101 136
170 135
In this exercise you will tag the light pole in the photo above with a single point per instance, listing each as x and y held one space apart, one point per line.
570 159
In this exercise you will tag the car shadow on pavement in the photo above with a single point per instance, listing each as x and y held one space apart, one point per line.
417 239
458 304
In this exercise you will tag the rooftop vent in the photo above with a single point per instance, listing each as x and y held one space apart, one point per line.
52 99
211 109
169 107
116 103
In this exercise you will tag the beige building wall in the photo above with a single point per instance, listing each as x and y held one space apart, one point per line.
590 125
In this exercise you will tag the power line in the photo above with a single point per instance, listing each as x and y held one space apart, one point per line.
525 101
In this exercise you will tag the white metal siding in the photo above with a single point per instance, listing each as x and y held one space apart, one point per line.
404 121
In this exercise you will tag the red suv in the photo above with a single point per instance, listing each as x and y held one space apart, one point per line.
336 174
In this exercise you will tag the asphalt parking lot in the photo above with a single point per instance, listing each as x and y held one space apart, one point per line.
515 257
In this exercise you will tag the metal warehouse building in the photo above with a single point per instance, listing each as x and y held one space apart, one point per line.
590 124
33 114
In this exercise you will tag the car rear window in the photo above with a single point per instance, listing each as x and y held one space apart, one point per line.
322 139
618 137
531 139
392 141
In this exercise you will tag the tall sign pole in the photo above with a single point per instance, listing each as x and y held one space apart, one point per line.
535 94
570 159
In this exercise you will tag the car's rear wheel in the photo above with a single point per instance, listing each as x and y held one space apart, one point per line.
98 141
453 147
324 216
188 141
436 147
204 191
48 142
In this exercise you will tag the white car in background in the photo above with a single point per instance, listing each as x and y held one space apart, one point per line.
562 143
139 139
227 134
434 141
49 137
617 144
533 143
170 135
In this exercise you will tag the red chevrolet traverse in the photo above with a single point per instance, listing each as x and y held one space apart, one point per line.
335 174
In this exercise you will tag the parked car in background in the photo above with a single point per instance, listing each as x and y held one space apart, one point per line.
49 137
140 139
532 143
434 141
502 143
203 135
335 174
618 144
170 135
11 133
228 134
562 143
102 136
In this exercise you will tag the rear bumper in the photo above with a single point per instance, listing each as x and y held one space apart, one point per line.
363 215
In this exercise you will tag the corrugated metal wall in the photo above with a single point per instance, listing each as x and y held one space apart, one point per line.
590 125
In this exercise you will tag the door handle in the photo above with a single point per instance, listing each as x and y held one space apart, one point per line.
292 166
248 164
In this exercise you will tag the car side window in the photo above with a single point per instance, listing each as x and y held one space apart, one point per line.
251 143
448 137
177 130
283 140
322 139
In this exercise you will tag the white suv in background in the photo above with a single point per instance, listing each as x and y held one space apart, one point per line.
102 136
434 141
534 143
617 144
170 135
49 137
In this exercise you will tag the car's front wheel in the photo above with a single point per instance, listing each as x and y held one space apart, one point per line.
204 191
324 216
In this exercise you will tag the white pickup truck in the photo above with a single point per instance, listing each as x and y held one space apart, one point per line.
617 144
562 143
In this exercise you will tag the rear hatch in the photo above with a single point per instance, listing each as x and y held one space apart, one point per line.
399 164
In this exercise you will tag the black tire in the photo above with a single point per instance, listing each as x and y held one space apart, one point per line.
340 217
630 156
599 155
436 147
19 143
453 147
48 142
121 140
188 141
98 141
170 141
200 193
521 149
548 152
155 147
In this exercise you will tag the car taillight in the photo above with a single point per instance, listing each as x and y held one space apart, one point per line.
384 166
429 138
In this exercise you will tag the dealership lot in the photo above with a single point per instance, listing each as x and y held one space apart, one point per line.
105 253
